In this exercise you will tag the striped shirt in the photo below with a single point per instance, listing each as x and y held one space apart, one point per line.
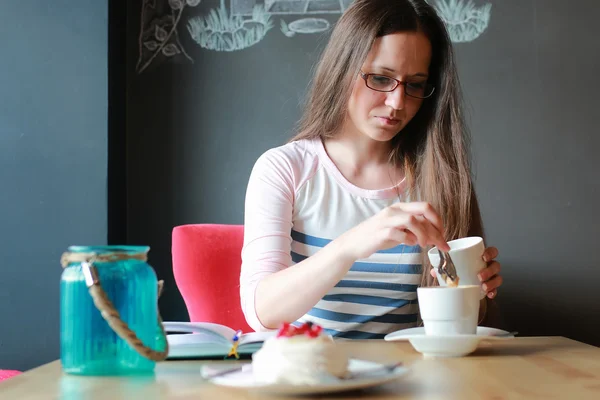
297 201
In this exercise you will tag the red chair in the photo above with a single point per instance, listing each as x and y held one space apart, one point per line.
7 373
206 265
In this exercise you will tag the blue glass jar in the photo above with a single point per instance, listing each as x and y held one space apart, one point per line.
127 337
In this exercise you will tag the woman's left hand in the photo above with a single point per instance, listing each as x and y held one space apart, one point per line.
490 276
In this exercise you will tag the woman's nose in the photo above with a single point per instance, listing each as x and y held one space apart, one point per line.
396 98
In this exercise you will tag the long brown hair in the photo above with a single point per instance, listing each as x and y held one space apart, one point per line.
433 147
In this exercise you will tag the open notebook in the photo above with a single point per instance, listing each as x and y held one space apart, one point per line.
205 340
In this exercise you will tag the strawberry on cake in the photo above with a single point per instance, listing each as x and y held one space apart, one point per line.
299 355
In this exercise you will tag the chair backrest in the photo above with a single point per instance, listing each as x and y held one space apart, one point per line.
7 373
206 265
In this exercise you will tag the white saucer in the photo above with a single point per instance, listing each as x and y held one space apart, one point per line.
447 346
243 380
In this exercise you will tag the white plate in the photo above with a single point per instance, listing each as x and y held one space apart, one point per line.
450 345
243 380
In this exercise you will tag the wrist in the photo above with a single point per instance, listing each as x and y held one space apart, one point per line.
342 250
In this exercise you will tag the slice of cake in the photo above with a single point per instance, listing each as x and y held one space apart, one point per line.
301 356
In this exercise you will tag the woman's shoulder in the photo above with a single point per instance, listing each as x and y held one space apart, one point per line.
296 151
293 156
293 162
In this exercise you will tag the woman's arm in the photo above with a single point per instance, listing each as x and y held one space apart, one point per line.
271 290
289 294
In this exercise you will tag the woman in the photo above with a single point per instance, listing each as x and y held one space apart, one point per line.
337 221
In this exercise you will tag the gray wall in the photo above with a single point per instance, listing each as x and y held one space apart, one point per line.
53 161
195 130
530 83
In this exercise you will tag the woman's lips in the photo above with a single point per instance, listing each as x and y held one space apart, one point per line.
389 121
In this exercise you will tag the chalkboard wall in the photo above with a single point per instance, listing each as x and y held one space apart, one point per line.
198 117
53 162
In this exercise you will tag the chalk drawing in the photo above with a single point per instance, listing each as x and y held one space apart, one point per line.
158 36
240 24
464 20
304 25
288 7
222 31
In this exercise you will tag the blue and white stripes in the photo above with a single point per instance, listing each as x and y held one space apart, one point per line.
377 296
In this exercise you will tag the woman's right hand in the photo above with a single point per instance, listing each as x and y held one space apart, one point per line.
412 224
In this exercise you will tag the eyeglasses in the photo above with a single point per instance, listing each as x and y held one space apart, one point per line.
382 83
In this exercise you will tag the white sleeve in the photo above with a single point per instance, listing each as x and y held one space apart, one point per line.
267 226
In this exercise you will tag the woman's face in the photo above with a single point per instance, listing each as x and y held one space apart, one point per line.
380 116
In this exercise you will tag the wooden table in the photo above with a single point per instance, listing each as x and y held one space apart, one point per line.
536 368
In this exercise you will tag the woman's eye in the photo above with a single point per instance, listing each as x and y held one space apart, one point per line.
417 85
381 80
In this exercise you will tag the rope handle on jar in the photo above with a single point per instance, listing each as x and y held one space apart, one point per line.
106 307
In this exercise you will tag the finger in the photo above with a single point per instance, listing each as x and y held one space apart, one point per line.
490 271
424 209
489 254
492 284
435 237
424 231
414 225
432 235
411 239
492 294
432 272
396 236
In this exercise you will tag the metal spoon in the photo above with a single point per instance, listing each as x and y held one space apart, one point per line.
386 368
446 268
352 375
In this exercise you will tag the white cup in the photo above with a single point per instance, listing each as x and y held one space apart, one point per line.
466 253
449 310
